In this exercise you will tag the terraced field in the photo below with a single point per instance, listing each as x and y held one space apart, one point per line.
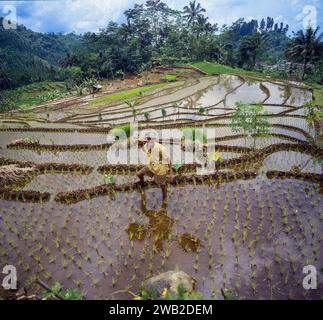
249 223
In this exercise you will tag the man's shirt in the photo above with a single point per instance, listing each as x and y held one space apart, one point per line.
157 159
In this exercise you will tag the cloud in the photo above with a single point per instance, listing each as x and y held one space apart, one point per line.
69 15
91 15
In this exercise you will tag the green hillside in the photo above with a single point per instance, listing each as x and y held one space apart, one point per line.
27 56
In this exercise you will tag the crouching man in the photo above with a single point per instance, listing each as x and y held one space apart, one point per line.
158 164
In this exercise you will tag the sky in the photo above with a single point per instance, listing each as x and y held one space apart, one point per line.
80 16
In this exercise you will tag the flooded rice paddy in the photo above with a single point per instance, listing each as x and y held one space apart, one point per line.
254 235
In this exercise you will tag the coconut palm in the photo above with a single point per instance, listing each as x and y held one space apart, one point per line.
306 46
193 11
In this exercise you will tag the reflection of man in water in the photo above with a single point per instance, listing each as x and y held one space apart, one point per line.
158 165
160 227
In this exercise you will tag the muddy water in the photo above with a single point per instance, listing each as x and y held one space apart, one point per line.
248 92
248 231
275 109
258 143
299 112
55 183
254 235
299 97
92 158
288 161
170 98
214 94
226 131
207 93
278 94
53 138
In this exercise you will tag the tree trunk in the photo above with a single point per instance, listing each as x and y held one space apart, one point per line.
304 68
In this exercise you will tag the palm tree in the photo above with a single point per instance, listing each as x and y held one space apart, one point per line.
193 11
306 46
204 26
132 105
248 48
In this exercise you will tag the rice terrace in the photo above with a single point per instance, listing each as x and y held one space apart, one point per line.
244 210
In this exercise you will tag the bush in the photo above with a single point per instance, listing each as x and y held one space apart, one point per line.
56 290
312 112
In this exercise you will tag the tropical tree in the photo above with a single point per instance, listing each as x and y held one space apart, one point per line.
193 11
126 31
250 120
250 47
132 105
5 81
306 47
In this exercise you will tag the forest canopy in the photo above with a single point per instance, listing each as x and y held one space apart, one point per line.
156 34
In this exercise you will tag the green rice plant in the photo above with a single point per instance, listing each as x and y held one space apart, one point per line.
254 287
95 281
47 275
79 264
64 264
114 281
